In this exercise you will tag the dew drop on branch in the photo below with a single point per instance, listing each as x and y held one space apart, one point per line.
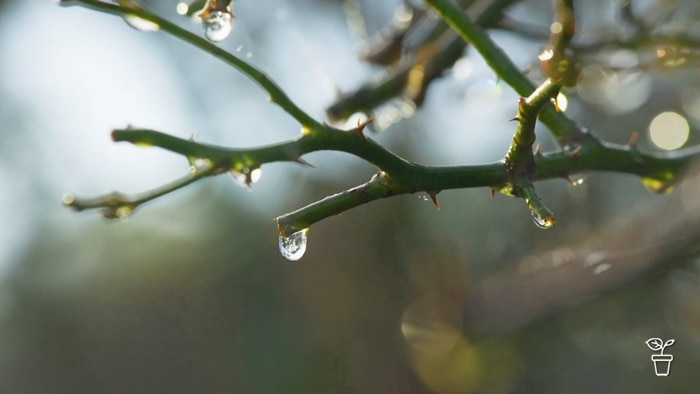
577 181
247 176
140 24
293 247
543 221
198 165
122 213
217 25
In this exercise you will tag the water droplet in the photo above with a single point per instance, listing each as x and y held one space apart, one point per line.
545 221
293 247
198 165
577 181
123 212
140 24
423 197
217 25
255 175
246 176
239 177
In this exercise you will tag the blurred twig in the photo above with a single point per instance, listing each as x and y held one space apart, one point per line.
431 58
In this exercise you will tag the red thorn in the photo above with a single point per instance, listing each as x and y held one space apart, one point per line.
633 139
433 197
571 181
538 150
493 194
576 152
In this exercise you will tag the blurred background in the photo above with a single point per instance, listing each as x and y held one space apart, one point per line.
191 295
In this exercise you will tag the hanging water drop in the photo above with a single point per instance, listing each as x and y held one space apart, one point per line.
239 178
140 24
293 247
545 221
246 176
255 175
217 25
123 212
577 181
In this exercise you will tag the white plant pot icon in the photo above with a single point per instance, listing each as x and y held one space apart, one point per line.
662 364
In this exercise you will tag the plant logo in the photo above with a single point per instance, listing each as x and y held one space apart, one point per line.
662 362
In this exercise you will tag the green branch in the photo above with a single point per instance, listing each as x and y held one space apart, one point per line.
405 177
518 170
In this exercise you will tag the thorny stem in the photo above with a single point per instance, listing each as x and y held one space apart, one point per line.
409 178
520 160
396 175
520 152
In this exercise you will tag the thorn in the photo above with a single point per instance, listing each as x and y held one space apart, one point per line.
571 181
364 124
303 162
576 152
515 119
556 104
433 197
633 140
538 150
359 130
493 194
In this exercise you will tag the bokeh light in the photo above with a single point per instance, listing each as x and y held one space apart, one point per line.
669 130
596 83
432 324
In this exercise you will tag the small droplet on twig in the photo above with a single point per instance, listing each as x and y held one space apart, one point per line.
140 24
217 25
